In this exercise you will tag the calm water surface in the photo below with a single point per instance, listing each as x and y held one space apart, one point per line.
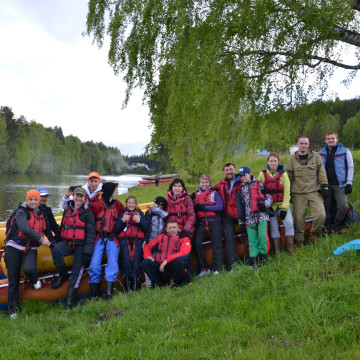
13 188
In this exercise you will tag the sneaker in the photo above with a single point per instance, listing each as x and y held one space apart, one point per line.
204 272
13 316
37 285
216 272
174 286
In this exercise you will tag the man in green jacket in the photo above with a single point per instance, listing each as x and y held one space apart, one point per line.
309 186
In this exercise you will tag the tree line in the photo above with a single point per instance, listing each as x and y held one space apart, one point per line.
30 148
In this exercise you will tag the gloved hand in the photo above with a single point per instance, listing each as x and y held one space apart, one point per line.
86 258
282 214
348 189
324 192
183 234
262 207
192 196
199 207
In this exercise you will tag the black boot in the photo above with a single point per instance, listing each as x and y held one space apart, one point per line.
71 295
95 291
109 289
137 283
131 284
63 276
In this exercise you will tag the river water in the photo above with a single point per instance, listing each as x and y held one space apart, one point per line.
13 188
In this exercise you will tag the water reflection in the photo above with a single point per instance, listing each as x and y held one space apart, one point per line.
13 188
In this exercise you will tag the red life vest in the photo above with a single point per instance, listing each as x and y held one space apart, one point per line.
35 222
229 201
256 196
72 228
167 246
106 219
132 229
177 211
204 198
276 189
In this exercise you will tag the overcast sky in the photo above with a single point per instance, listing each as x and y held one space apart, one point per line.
50 73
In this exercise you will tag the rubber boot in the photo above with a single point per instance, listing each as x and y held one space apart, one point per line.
109 290
277 245
137 283
132 284
290 244
95 292
71 295
63 276
263 259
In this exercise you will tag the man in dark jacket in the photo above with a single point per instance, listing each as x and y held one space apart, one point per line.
339 166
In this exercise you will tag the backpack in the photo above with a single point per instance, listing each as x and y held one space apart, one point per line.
352 216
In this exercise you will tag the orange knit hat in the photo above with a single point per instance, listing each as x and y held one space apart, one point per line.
33 193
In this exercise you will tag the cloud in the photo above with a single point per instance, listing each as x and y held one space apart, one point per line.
58 82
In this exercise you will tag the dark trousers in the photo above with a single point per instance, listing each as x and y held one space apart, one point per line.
131 268
59 251
13 258
173 271
338 196
229 223
216 240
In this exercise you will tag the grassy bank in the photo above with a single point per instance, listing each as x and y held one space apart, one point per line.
300 307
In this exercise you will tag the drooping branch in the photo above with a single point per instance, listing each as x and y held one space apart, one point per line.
355 4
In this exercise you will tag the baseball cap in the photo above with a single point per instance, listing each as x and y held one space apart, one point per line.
244 170
80 190
94 174
43 191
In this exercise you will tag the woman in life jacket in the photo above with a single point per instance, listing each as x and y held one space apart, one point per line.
77 236
130 228
276 180
26 233
106 211
253 202
208 207
181 208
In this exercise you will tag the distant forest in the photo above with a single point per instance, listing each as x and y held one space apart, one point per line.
30 148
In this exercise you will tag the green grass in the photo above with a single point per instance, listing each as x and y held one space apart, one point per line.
304 306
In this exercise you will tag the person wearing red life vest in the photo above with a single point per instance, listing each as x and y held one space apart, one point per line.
26 233
92 187
130 228
166 257
276 180
208 207
77 236
228 188
253 202
106 211
181 208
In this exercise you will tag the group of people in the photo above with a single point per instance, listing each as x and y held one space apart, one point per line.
160 242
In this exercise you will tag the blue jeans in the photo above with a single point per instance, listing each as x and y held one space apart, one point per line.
111 268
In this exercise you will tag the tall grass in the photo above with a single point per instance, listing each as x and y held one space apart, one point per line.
304 306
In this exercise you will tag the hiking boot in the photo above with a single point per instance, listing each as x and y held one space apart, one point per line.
37 285
338 231
174 286
204 272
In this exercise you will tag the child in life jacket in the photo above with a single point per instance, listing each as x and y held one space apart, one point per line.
166 257
106 211
155 218
130 228
253 201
